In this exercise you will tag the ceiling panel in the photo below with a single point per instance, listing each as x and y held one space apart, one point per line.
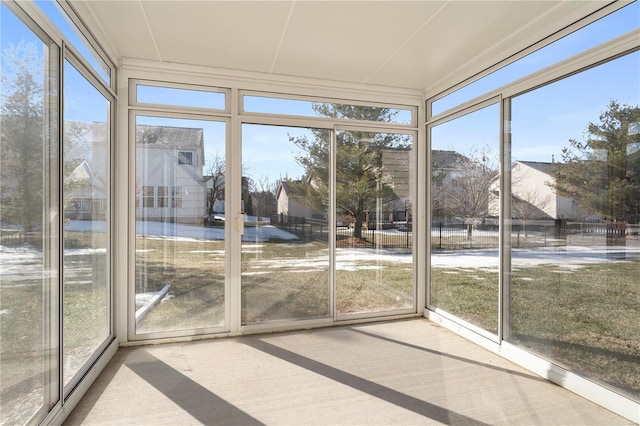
463 31
234 35
348 40
421 45
124 25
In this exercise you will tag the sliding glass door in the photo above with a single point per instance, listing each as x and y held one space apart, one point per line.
180 219
285 251
464 218
374 223
86 177
29 233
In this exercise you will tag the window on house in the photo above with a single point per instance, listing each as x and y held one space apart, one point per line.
148 196
185 158
176 196
163 196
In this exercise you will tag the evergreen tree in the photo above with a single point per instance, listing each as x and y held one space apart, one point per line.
22 136
603 173
360 181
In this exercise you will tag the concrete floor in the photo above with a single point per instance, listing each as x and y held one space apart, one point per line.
399 372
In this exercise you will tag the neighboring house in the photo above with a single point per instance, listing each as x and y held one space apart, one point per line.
85 196
446 167
169 181
451 173
396 174
533 196
290 199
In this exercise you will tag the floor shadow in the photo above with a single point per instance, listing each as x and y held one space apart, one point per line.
90 398
450 356
192 397
539 344
392 396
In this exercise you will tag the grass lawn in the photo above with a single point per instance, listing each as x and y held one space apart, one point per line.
586 319
280 281
469 294
195 271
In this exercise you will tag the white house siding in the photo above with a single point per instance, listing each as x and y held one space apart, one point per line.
533 186
157 165
531 182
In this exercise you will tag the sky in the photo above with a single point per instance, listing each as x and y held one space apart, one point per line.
543 120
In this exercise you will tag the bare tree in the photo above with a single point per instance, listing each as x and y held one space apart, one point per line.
529 205
461 186
215 180
263 196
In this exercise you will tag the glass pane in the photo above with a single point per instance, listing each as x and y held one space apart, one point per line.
576 223
180 233
86 211
28 230
75 37
262 104
374 256
285 256
607 28
464 217
180 97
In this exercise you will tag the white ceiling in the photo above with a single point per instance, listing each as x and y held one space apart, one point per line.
421 45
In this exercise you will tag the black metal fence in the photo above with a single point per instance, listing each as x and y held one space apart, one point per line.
531 233
397 235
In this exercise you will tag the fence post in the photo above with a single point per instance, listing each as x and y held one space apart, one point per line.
440 244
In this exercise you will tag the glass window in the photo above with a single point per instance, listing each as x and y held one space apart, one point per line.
269 105
190 98
576 223
180 249
464 217
607 28
149 196
185 158
87 318
374 232
163 197
29 233
62 21
176 196
285 255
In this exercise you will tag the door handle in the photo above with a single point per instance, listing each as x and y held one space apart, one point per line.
238 223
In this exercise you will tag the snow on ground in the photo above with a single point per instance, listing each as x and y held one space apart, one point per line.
23 263
183 232
570 257
179 231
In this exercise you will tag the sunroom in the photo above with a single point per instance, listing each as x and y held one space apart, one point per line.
180 171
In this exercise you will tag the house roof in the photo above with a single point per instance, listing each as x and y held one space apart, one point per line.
169 137
293 189
447 159
82 172
538 165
